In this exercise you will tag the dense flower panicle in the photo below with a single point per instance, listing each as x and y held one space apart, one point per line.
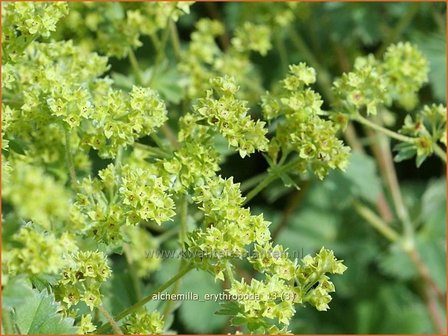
302 128
428 127
120 119
85 325
146 195
204 59
365 87
143 322
312 271
23 22
227 115
115 29
228 228
82 278
275 297
373 83
406 70
261 302
252 37
102 210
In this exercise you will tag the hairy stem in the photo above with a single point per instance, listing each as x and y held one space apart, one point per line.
111 320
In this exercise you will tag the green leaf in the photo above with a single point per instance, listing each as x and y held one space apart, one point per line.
40 314
15 292
433 47
360 180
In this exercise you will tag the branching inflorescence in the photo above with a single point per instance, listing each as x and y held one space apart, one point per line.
66 217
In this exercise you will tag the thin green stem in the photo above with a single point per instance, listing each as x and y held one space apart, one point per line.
69 159
111 320
271 177
183 221
254 192
324 78
229 272
132 271
135 67
280 43
440 152
252 181
147 298
160 52
390 173
376 222
152 150
381 129
175 40
182 238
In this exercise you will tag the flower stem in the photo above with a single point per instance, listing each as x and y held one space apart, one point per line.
111 320
135 67
440 152
271 177
147 298
375 221
381 129
152 150
69 159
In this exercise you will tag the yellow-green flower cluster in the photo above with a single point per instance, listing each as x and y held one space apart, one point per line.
35 195
268 305
428 127
406 70
102 209
274 260
146 195
204 58
85 325
264 304
115 29
301 129
372 83
365 87
118 119
228 228
39 252
23 22
251 37
223 113
313 284
68 93
82 278
144 323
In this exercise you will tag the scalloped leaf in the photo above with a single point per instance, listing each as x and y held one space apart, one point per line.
39 313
